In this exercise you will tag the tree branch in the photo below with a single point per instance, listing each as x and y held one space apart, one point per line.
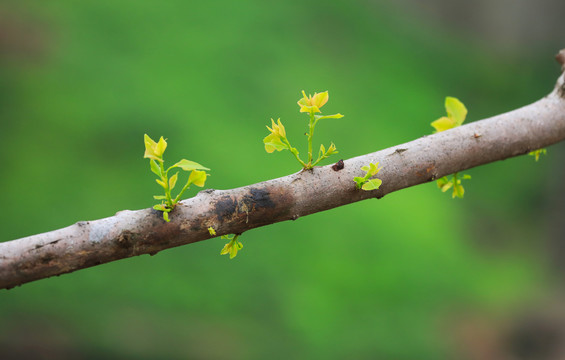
132 233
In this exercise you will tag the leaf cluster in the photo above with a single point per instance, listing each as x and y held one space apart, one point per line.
365 182
445 184
537 153
278 141
232 247
154 152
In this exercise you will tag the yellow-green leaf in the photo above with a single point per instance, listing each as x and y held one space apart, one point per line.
160 207
226 248
537 153
197 178
443 123
455 110
155 167
150 147
161 146
372 184
374 169
212 231
320 99
233 251
173 181
458 191
334 116
188 165
162 183
273 142
154 150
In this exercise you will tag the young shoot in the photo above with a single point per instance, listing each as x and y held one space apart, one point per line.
365 182
154 152
278 141
537 153
456 114
445 184
232 247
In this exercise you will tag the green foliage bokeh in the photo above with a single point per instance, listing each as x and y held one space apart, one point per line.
377 279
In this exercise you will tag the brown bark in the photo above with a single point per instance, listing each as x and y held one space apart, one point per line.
132 233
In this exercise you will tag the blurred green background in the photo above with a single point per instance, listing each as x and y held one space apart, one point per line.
415 275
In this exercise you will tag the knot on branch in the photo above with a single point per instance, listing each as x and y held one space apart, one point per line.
560 57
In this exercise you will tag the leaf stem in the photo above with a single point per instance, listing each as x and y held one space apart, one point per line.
165 180
293 151
182 191
311 126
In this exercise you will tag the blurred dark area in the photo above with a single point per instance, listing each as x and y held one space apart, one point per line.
415 275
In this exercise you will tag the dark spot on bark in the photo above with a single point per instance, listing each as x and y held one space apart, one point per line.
429 172
125 239
46 258
400 151
261 198
338 165
225 207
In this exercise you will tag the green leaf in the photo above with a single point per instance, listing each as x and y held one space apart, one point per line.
173 181
372 184
188 165
155 168
197 178
166 216
466 177
365 168
159 197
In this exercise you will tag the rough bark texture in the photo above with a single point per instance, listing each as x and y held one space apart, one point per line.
131 233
